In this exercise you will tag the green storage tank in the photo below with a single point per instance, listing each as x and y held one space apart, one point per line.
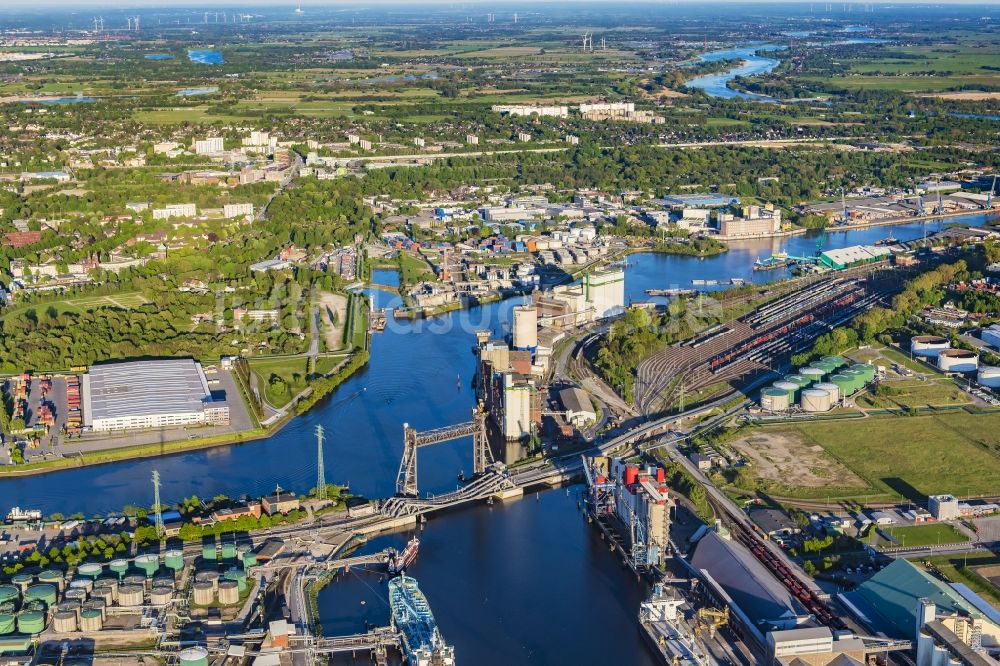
866 369
844 383
44 592
799 380
8 622
856 376
8 607
208 551
229 551
31 622
815 375
791 388
174 559
148 564
119 567
837 361
827 367
90 570
9 593
249 559
22 580
239 576
194 656
53 576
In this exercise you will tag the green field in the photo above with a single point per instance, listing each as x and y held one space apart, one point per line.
935 392
127 300
293 372
910 456
920 535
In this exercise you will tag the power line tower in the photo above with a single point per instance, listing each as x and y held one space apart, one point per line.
157 510
320 474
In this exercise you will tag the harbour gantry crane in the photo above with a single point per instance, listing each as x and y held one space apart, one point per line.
710 619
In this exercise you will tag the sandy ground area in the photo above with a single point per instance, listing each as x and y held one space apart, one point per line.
967 95
785 459
329 304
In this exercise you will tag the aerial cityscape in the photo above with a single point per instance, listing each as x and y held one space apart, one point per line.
654 333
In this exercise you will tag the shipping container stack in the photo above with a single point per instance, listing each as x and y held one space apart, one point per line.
73 419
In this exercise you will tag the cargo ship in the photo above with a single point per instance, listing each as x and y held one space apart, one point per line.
399 562
669 635
411 615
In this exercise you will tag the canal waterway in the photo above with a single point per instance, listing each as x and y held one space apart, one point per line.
528 582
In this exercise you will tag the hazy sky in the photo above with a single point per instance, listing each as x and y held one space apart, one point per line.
124 4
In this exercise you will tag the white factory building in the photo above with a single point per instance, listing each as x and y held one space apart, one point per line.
149 394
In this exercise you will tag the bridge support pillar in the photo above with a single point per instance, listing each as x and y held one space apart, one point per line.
509 494
481 454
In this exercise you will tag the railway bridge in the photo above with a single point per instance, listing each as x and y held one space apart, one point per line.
406 479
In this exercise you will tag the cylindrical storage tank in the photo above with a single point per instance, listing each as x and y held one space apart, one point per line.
130 595
204 593
164 581
64 622
799 380
53 577
830 388
193 656
9 593
229 551
148 564
174 560
98 605
30 622
816 400
91 620
105 594
813 374
208 551
774 400
958 360
989 376
844 383
229 592
8 622
22 580
836 361
928 346
108 585
525 328
827 367
867 370
85 584
44 592
249 559
119 567
857 378
134 579
792 390
239 576
78 593
72 605
161 596
90 570
210 577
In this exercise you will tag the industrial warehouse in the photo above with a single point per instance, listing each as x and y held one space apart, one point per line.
149 394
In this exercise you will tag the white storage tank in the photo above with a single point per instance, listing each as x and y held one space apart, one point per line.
130 595
957 360
814 374
816 400
774 400
830 388
928 346
989 376
525 328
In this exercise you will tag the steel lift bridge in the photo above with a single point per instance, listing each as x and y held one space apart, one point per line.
406 479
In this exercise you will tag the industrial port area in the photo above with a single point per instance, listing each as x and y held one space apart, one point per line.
663 334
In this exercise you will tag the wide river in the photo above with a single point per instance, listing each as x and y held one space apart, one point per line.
525 583
752 64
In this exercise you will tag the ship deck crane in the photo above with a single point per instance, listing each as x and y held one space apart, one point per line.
710 619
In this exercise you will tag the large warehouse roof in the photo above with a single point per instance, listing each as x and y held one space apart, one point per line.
856 254
890 598
750 585
118 390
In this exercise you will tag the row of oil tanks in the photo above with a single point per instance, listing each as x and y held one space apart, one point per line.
209 586
818 387
938 349
148 564
229 553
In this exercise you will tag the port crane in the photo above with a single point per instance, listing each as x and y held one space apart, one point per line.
710 619
989 195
